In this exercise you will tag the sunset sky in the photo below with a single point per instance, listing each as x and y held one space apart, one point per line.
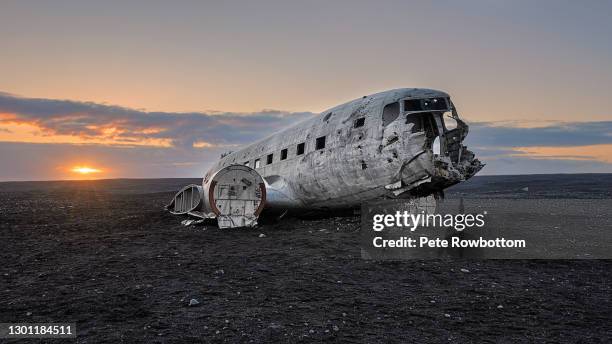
159 89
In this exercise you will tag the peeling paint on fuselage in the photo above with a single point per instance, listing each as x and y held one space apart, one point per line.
358 163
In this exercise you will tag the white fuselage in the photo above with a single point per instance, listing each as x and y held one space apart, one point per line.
371 149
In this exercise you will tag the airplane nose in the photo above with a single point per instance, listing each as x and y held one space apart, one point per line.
418 169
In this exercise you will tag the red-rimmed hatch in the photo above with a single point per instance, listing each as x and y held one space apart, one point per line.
236 195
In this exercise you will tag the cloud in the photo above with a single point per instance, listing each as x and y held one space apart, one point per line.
45 138
492 134
49 120
537 147
601 153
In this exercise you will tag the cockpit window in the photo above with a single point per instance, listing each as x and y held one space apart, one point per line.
423 121
449 123
390 113
416 121
425 104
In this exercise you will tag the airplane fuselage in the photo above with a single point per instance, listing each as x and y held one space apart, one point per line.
377 146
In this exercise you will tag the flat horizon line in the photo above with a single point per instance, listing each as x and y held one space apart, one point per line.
159 178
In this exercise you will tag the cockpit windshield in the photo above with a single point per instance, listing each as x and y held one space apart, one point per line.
438 107
426 104
450 122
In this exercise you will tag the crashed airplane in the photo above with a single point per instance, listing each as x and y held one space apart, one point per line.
402 143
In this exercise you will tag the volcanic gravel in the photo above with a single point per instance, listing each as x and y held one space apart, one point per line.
105 255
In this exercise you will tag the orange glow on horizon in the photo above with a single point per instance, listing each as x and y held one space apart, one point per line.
600 152
85 170
29 132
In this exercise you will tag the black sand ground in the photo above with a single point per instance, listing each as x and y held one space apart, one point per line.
103 254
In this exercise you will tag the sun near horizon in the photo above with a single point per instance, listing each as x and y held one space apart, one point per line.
85 170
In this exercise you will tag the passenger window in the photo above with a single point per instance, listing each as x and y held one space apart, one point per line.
390 113
269 159
257 163
284 154
359 122
320 144
246 163
300 148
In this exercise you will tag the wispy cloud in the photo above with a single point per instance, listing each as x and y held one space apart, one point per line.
48 120
551 147
601 153
500 134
